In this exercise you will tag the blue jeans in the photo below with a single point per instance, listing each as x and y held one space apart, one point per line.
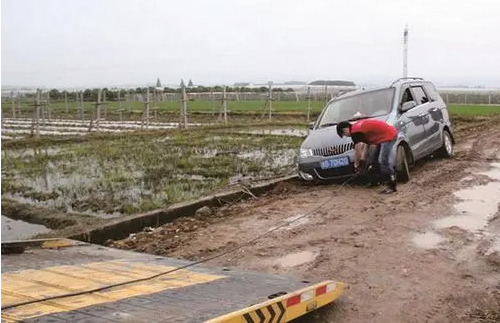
387 158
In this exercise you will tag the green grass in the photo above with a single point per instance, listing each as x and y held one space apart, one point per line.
474 110
279 106
234 106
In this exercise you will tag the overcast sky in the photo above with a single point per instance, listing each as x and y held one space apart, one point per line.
65 43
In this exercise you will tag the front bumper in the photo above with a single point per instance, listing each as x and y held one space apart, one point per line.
310 168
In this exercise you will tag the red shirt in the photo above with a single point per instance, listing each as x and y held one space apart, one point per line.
374 131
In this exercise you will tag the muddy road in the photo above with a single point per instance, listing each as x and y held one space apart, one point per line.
430 253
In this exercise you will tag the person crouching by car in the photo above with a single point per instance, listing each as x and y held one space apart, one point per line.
373 132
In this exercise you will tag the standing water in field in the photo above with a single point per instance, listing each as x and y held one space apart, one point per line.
19 230
111 176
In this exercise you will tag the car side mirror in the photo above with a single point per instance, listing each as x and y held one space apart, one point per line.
311 125
408 106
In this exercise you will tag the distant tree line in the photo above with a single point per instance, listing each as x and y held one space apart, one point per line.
112 94
333 83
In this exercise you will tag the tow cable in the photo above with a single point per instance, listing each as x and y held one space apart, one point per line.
95 290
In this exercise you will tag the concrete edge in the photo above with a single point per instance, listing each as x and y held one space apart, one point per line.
123 227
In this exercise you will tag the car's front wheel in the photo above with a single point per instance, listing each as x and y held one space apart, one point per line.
446 149
402 167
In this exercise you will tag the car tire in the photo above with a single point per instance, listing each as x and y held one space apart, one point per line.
446 149
402 167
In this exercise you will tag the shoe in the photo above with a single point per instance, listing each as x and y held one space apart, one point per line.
372 184
388 190
391 187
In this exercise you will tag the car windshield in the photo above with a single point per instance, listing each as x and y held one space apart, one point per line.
364 105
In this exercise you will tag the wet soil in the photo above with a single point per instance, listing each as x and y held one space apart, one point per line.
401 261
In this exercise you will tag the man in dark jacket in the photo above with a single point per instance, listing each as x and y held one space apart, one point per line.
373 132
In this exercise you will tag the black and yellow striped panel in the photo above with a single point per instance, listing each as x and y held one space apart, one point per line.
273 313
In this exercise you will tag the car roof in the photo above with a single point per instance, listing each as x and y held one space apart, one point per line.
363 90
397 83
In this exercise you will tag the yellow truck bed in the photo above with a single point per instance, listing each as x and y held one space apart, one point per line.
61 280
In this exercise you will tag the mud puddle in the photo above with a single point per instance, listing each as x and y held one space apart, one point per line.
428 240
495 247
17 230
477 205
298 258
475 208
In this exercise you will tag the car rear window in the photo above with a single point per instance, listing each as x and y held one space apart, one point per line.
420 96
431 91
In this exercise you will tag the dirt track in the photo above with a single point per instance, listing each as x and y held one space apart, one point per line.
402 256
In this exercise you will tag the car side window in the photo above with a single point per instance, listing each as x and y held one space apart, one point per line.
420 96
407 96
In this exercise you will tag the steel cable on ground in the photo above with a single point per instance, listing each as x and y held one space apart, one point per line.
99 289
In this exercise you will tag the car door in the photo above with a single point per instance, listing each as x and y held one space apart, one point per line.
428 112
435 118
411 123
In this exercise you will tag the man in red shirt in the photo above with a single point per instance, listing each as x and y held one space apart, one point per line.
373 132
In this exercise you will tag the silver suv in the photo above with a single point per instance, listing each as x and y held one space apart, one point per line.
411 105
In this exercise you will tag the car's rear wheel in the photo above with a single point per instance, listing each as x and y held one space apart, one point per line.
402 167
446 150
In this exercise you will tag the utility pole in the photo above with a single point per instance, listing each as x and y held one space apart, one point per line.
268 105
98 112
270 101
308 103
98 105
405 52
212 101
105 105
66 102
326 93
183 121
13 105
35 128
19 106
145 113
82 107
49 109
224 104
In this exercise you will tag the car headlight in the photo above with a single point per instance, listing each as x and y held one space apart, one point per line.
304 153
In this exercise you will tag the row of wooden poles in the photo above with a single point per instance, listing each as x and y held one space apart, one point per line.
42 104
42 108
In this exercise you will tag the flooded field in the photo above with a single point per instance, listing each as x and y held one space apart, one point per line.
17 127
112 175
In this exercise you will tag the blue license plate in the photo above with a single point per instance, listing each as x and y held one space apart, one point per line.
335 162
